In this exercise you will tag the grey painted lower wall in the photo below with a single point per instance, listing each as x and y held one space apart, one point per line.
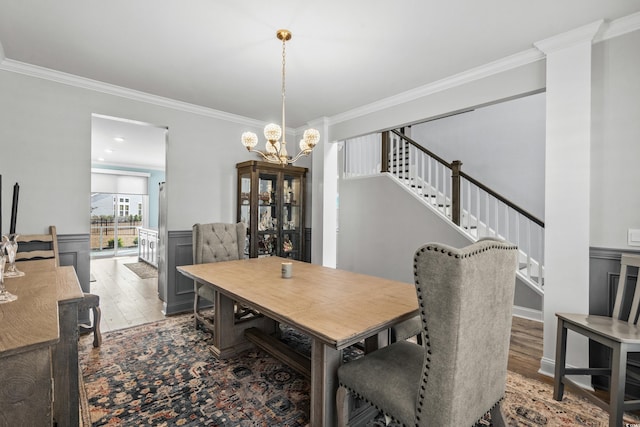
604 275
179 289
74 249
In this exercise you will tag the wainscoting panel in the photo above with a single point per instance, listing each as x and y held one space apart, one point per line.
604 275
179 296
74 249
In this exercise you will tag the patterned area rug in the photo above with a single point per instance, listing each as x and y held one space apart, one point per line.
164 374
143 270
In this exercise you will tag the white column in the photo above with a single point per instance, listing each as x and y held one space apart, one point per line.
567 186
324 191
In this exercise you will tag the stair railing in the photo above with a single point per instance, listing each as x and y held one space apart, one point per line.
476 209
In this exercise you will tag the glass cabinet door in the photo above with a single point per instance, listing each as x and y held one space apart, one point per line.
244 207
267 214
291 217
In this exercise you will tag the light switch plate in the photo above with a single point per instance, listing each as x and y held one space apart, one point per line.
633 237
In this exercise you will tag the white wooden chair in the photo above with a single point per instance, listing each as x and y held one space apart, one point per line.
39 246
619 332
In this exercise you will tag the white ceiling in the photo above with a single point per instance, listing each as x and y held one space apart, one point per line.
224 55
125 143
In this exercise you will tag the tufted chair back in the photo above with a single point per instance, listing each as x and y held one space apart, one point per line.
466 299
216 242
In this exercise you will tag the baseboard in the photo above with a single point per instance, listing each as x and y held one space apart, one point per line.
177 308
527 313
548 367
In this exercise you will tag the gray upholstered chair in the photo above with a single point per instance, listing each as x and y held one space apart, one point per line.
214 242
459 373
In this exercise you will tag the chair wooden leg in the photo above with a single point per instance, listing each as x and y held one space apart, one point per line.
618 378
343 406
97 336
196 298
497 419
561 358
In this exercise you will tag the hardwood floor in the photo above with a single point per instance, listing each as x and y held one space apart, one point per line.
125 299
525 350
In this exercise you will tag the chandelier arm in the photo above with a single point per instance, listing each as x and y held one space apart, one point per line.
267 156
300 154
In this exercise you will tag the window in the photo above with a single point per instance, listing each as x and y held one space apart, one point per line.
123 206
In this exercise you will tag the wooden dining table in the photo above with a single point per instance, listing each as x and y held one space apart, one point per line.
335 308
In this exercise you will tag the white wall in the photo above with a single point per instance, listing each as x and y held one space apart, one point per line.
45 146
615 143
381 226
509 83
502 145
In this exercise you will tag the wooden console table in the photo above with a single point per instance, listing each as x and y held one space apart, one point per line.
39 347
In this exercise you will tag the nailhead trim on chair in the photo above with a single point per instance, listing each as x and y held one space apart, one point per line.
427 343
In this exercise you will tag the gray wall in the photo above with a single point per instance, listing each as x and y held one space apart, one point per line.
45 137
615 144
515 82
502 145
382 225
45 130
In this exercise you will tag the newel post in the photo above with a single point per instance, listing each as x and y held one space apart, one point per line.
384 167
456 206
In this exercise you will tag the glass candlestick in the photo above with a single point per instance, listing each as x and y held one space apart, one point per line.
10 246
4 295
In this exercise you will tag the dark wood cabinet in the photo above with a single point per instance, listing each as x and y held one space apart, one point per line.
271 202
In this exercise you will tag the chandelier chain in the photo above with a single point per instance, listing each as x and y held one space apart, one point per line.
284 61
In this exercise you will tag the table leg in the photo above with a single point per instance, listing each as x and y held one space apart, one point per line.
325 361
372 343
228 336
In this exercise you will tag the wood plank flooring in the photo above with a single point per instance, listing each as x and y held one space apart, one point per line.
125 299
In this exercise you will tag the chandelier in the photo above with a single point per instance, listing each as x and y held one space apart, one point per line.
275 150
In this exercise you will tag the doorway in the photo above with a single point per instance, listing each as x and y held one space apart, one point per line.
128 161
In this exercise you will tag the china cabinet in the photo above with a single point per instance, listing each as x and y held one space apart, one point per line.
271 203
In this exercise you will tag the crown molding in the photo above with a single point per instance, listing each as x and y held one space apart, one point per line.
507 63
619 27
583 34
84 83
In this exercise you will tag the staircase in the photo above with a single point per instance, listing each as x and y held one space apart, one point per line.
443 187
